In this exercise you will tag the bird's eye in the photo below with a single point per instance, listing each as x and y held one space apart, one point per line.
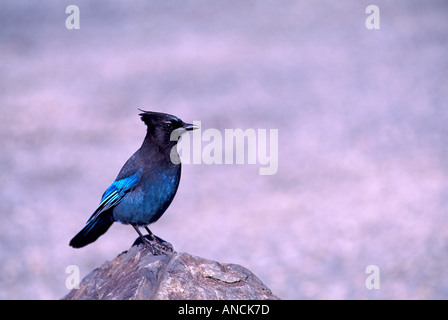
169 125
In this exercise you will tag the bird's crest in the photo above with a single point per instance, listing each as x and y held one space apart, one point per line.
149 117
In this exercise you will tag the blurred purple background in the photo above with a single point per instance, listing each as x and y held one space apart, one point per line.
363 138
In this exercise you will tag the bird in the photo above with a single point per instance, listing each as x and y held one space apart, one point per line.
145 186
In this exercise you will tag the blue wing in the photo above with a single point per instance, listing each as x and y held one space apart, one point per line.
115 193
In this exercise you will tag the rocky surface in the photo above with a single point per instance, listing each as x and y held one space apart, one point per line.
136 274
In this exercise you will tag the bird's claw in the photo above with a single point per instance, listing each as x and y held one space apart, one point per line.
156 245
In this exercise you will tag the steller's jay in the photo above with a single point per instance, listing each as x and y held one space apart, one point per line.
146 184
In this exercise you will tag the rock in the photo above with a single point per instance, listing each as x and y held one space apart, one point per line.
138 274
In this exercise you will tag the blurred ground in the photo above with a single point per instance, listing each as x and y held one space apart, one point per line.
362 118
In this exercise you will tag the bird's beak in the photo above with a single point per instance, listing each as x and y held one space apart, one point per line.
189 126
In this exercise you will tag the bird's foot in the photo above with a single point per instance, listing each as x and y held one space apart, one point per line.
159 246
156 245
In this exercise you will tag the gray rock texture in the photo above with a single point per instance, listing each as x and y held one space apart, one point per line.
136 274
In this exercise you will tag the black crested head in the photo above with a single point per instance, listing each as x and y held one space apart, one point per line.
152 119
164 129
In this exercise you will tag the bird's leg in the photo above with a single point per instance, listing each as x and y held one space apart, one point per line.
155 244
158 241
149 233
147 242
144 240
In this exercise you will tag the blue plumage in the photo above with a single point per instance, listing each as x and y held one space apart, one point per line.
145 186
149 200
115 193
